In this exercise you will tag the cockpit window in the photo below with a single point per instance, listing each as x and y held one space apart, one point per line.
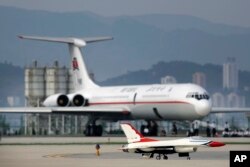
198 96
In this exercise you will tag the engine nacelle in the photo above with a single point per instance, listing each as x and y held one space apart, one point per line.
56 100
78 100
185 149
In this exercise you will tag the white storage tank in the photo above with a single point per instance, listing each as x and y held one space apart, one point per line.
34 82
56 80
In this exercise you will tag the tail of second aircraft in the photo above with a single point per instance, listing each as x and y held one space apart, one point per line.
80 73
133 136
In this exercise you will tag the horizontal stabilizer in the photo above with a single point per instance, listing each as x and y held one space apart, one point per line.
80 42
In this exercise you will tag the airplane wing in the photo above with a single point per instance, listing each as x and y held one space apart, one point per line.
67 110
229 110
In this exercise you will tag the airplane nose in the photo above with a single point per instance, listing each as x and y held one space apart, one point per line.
204 107
216 144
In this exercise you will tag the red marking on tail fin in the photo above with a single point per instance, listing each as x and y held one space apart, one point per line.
75 64
136 131
147 140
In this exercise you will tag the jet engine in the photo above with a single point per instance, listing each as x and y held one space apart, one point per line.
56 100
78 100
185 149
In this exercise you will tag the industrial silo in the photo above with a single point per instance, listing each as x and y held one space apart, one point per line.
56 80
34 85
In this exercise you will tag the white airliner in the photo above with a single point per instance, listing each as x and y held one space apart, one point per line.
155 102
137 143
149 102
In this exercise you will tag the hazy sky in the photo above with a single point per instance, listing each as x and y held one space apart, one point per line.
233 12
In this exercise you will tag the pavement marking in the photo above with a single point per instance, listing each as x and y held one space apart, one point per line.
56 156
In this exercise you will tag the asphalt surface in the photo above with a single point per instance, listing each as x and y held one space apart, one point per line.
84 154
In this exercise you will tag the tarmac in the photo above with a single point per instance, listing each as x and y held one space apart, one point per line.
80 151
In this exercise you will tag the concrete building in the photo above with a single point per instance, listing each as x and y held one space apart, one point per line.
230 74
228 100
41 82
168 80
199 78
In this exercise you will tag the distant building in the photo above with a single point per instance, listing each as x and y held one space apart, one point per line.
235 100
199 78
218 100
230 74
13 101
168 80
228 100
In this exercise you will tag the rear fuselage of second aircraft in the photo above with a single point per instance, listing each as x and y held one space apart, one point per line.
170 101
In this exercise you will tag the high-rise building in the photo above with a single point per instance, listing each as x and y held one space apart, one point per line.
230 74
199 78
168 80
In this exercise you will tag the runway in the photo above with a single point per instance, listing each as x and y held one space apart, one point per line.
84 155
201 155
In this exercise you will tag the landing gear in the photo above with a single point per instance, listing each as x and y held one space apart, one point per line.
92 129
158 157
150 129
165 157
185 155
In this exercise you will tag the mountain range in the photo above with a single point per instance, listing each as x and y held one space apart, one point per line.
12 77
139 41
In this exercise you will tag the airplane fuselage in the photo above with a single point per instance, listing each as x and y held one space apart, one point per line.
155 102
137 143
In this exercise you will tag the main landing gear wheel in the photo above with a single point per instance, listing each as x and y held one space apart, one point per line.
188 158
158 157
165 157
152 155
92 129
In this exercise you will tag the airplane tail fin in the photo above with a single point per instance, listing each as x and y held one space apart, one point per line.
133 136
80 73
